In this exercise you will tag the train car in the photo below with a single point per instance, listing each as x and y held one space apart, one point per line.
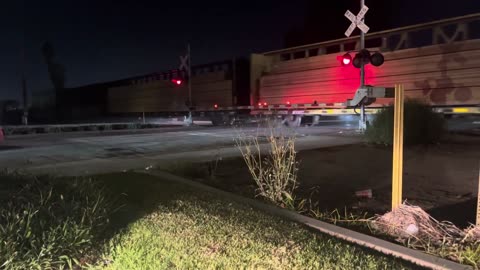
214 85
437 62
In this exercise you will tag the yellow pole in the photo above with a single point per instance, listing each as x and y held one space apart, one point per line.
400 145
394 165
397 168
478 200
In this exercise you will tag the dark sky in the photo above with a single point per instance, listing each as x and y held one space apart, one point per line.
102 40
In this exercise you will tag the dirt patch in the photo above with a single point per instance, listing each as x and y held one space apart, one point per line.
435 176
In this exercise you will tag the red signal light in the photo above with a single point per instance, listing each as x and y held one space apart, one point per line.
288 102
177 81
346 59
215 106
264 104
259 104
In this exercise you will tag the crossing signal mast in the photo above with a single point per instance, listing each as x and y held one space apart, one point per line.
365 94
186 67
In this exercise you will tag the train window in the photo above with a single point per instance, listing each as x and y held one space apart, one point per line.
300 54
351 46
286 57
474 30
420 38
332 49
393 41
313 52
369 43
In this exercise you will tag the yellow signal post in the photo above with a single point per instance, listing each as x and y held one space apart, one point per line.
397 147
478 200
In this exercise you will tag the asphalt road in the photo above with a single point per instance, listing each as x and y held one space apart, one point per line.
32 151
142 147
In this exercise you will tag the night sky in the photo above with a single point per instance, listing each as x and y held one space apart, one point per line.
102 40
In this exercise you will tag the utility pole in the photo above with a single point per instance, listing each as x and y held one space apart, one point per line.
234 81
189 71
25 101
24 90
186 65
23 76
189 77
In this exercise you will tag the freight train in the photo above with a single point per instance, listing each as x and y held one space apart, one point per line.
437 62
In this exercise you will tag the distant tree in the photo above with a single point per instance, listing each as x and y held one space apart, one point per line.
55 69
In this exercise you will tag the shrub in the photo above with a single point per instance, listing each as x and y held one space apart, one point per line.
276 173
421 125
46 223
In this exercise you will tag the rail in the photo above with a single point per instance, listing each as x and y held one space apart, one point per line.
432 33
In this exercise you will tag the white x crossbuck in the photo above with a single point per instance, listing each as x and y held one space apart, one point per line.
184 62
357 21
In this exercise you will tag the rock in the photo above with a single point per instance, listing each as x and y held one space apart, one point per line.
412 229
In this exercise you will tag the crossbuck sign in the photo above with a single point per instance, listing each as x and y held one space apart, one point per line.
184 62
357 21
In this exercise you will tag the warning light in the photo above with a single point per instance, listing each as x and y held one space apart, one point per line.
377 59
215 106
259 104
346 59
364 57
177 81
264 104
288 102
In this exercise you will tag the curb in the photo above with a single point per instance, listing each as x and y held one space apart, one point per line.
413 256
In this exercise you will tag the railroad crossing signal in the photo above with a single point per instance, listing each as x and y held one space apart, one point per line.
357 21
184 62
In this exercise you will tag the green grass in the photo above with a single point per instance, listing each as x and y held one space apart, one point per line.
50 223
47 223
181 228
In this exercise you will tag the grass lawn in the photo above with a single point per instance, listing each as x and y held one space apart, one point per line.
65 223
166 225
